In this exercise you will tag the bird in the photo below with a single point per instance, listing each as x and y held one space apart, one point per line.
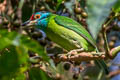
66 32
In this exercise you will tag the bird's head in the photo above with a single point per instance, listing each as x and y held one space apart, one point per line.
39 19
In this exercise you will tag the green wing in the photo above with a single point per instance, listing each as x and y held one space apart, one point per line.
74 26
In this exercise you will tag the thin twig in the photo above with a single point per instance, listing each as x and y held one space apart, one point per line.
113 73
105 28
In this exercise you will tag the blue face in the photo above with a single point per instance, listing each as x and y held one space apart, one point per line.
39 19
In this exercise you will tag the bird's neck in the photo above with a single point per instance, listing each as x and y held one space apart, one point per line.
44 22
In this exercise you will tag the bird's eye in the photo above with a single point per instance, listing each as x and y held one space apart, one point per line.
37 16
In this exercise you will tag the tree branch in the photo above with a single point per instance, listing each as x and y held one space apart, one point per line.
84 56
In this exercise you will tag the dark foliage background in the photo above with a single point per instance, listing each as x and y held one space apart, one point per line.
26 55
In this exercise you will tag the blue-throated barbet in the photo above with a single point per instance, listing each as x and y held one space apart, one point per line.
64 31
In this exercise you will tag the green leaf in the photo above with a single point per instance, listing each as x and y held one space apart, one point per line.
26 11
82 3
58 3
12 63
116 7
33 46
21 77
21 4
13 38
23 56
6 38
98 11
37 74
9 62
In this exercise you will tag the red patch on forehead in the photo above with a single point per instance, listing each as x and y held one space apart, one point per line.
32 17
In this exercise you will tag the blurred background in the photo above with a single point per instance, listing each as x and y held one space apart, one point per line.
14 12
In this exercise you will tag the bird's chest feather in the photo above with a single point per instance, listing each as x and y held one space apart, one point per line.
64 37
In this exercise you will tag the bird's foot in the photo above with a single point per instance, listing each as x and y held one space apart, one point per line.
74 52
97 54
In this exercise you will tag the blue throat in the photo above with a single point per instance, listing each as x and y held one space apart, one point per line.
42 24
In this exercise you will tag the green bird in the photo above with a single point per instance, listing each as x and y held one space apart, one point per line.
66 32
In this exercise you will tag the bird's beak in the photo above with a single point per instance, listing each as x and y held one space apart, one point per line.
29 23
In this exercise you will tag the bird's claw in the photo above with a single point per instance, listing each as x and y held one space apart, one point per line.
98 54
71 53
74 52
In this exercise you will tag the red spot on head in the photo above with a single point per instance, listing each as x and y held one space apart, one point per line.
32 17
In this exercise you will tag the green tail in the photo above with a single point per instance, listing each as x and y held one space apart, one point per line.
102 65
